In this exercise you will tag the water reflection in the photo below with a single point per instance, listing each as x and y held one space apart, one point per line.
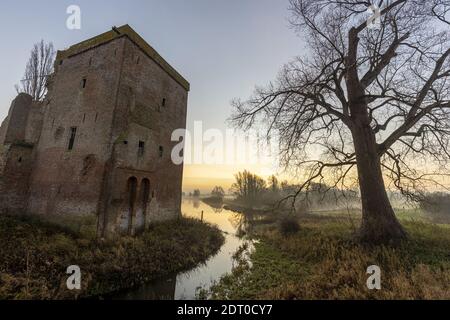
157 290
218 210
185 285
196 203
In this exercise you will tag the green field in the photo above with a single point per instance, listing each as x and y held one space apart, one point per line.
323 260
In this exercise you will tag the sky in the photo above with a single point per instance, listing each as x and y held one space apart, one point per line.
223 48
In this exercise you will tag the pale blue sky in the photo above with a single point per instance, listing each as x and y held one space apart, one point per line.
223 47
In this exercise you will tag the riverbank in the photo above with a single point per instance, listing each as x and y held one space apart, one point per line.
213 202
322 261
34 257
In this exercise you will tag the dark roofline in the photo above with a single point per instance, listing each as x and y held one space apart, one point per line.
124 31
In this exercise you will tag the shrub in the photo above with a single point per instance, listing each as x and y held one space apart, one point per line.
288 225
437 204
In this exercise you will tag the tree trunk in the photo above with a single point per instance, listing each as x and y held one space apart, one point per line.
379 224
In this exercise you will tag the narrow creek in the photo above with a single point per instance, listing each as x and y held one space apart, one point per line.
185 285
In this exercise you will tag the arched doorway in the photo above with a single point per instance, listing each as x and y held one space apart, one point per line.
126 218
141 211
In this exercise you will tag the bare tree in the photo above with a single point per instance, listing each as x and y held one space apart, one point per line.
218 192
248 187
37 71
273 183
373 103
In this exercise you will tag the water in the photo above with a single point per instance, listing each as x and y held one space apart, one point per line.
185 285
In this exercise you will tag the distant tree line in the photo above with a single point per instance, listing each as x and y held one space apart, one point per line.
437 204
218 193
251 190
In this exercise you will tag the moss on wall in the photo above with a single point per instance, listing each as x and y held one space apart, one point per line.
145 117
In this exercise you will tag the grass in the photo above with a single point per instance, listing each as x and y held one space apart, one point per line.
322 261
35 256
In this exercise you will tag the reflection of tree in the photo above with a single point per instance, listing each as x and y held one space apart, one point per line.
218 209
241 222
215 205
196 203
158 290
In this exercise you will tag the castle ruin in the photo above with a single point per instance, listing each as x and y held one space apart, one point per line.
99 145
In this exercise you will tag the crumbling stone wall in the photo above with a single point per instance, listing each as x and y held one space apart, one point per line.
18 133
24 121
14 177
